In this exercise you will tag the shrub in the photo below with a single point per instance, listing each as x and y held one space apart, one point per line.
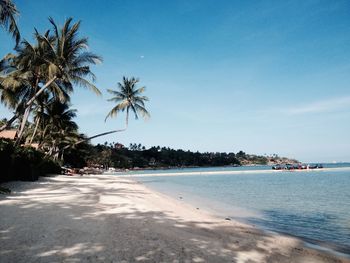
6 151
23 163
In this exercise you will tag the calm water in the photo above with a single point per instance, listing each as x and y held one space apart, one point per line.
313 205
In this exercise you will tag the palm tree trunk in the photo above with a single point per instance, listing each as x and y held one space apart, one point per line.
41 90
23 124
84 140
35 130
104 133
62 156
127 118
29 106
9 123
100 134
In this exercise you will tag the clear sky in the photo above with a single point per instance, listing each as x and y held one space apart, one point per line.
258 76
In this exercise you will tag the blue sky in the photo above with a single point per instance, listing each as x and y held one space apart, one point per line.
258 76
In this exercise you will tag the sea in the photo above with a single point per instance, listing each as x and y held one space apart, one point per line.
313 205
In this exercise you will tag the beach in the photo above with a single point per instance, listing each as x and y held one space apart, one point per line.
106 218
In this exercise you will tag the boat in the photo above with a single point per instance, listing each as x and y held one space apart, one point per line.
298 166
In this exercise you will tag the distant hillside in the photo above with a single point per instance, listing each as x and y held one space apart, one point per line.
252 159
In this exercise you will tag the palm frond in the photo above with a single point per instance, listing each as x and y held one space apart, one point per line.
8 14
85 84
126 97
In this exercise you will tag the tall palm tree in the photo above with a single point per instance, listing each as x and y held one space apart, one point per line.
8 14
21 74
58 61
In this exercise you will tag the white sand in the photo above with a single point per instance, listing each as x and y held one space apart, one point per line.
113 219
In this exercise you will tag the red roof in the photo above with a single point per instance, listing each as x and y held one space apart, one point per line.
8 134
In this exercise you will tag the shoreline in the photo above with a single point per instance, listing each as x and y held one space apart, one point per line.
242 214
227 172
100 218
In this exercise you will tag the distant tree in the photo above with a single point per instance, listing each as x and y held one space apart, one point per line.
241 154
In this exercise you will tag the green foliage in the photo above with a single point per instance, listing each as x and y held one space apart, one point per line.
8 15
156 157
76 156
128 97
23 163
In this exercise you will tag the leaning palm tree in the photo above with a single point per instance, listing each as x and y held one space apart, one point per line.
128 98
59 61
21 75
8 14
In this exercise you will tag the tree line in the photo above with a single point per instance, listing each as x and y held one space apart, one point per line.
136 156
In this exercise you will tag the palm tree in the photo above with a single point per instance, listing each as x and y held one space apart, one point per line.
55 127
15 88
8 14
128 98
21 75
57 62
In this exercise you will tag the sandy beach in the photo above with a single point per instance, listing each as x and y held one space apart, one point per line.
112 219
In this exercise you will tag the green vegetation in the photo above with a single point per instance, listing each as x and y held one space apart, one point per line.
138 156
23 163
128 98
8 14
36 83
155 157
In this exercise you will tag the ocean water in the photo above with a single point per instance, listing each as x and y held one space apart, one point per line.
312 205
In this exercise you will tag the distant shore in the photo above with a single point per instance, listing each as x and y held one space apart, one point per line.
101 218
228 172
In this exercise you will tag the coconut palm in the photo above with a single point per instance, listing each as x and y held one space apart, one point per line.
21 75
128 98
55 127
8 14
57 62
15 89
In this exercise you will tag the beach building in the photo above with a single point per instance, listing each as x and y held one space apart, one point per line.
8 134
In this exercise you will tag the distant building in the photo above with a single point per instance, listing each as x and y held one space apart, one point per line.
8 134
118 146
152 162
33 145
